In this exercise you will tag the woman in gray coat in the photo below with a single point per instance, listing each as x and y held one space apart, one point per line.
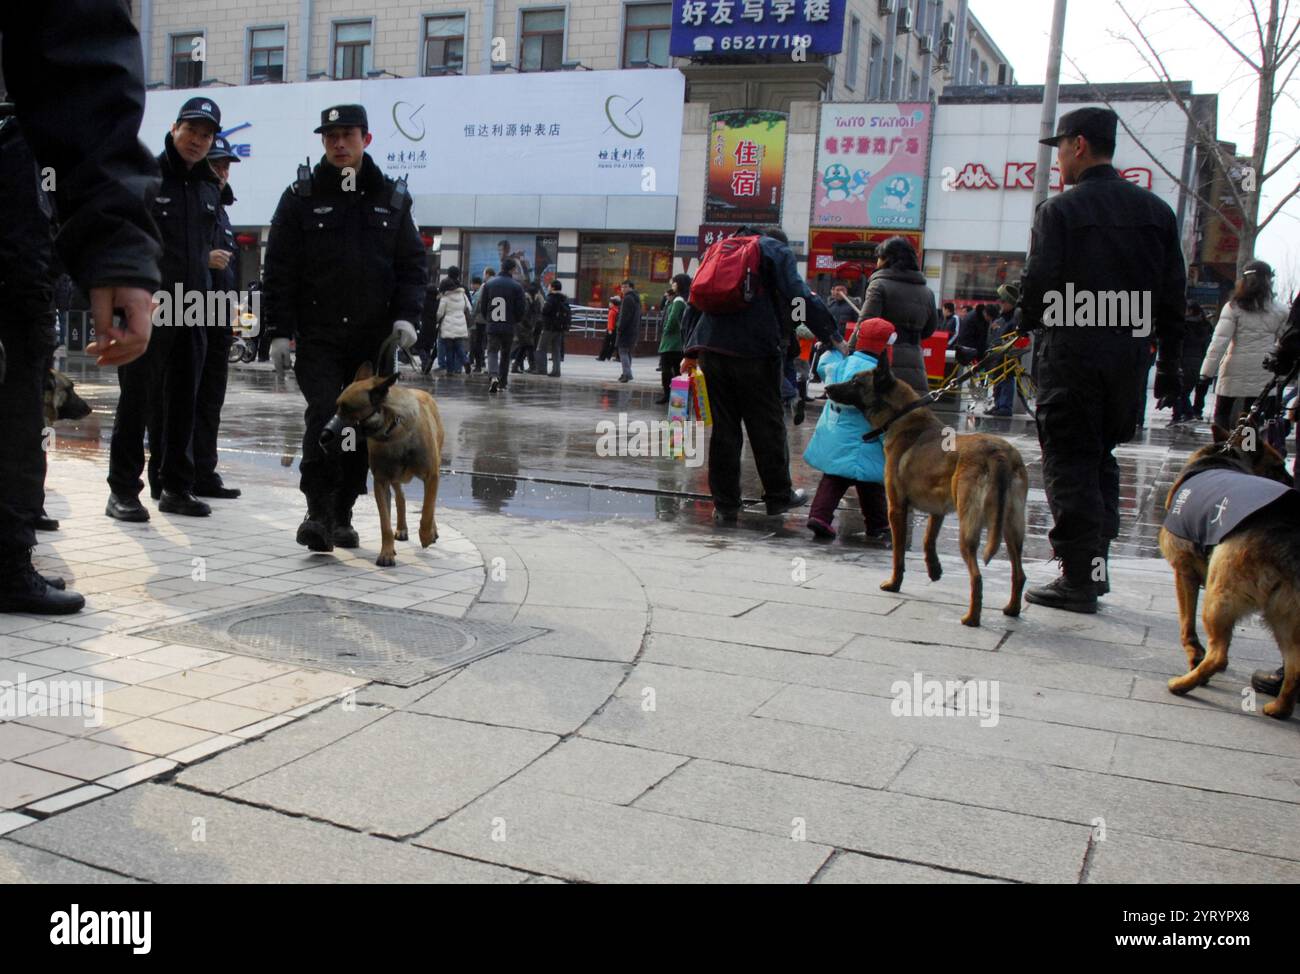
898 293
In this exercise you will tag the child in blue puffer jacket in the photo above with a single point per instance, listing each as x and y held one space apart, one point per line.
838 451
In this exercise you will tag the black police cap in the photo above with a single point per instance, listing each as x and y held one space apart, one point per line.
204 109
343 116
221 150
1094 124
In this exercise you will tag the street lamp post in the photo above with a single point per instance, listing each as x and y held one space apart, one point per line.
1051 92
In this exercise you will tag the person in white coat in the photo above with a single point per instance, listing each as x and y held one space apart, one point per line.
1249 326
453 325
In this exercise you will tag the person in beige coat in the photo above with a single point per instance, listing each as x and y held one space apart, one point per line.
1249 326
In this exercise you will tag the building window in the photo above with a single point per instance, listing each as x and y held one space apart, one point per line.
645 36
914 87
973 73
977 276
875 66
351 49
444 45
606 260
266 54
187 71
896 79
541 42
851 65
984 72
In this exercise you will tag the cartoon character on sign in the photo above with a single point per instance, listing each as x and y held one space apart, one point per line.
858 186
898 195
836 182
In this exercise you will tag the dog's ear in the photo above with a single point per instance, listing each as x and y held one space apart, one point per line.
381 389
365 372
881 376
1220 434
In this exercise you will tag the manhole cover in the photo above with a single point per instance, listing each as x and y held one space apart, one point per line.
397 646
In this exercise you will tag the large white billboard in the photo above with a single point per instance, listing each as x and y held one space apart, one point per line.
570 133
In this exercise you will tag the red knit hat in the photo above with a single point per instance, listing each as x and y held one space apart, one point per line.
873 336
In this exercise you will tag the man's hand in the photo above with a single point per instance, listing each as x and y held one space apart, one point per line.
118 346
1169 385
844 348
218 260
689 365
405 332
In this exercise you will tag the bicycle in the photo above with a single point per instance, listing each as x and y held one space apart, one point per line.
244 347
1002 363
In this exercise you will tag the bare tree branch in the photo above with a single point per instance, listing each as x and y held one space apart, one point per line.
1285 159
1224 37
1259 27
1278 209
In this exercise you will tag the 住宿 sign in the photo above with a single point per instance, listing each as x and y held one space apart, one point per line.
702 27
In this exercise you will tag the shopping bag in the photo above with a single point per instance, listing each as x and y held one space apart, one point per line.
700 410
679 411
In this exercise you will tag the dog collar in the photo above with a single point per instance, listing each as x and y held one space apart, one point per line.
927 400
387 434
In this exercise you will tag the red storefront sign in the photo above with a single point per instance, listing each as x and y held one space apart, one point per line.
1020 175
821 250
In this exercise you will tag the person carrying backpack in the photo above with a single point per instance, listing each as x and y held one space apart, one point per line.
732 330
556 317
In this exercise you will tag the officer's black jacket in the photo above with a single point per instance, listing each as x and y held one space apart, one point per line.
1106 234
339 263
26 246
74 71
224 239
185 210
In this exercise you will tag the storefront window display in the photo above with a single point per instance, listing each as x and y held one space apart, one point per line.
977 277
534 252
604 262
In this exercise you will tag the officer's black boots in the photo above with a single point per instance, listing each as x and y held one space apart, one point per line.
1103 583
217 489
125 508
343 533
182 502
316 531
23 590
1072 596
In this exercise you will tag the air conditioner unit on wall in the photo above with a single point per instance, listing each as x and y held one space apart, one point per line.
924 44
887 8
949 35
905 20
945 53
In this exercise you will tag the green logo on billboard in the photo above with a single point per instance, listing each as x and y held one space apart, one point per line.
625 120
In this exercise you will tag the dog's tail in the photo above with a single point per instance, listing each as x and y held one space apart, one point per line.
1001 488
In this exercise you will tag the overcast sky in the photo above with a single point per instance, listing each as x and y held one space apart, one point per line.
1192 52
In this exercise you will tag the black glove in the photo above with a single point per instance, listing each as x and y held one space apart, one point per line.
1285 355
1169 385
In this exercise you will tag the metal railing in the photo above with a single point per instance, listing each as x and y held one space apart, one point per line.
592 322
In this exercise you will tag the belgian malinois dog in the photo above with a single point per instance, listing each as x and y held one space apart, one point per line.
404 436
981 477
1255 568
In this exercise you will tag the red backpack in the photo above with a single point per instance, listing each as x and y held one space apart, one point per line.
728 279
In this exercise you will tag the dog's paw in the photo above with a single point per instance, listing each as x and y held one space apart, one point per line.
429 538
890 585
935 570
1011 610
1276 710
1179 685
401 536
971 620
386 559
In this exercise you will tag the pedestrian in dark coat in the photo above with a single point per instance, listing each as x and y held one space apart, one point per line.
898 293
629 328
503 305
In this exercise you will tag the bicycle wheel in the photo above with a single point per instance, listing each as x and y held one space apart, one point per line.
235 353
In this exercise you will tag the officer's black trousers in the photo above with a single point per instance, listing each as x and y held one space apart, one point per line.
324 371
1086 407
211 399
22 484
746 391
157 391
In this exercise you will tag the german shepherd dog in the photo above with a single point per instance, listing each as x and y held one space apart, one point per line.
404 437
981 477
60 401
1256 568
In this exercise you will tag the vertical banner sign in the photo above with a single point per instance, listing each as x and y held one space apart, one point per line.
872 161
746 167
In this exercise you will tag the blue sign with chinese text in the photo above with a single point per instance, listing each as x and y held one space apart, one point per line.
703 27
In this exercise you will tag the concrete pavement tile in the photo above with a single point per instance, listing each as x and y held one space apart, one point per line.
237 844
892 627
195 684
84 759
73 726
676 689
11 821
151 736
818 752
21 785
17 672
858 869
221 718
579 839
19 739
586 590
786 633
602 772
182 657
127 671
262 727
444 765
262 696
63 658
69 799
399 698
988 843
872 717
245 669
1128 858
1046 644
545 693
1126 804
64 634
119 644
13 646
1212 768
21 864
133 776
202 749
583 633
143 701
317 683
714 605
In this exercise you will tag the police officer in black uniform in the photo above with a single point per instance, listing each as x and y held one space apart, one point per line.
345 268
159 389
223 266
1103 235
74 72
